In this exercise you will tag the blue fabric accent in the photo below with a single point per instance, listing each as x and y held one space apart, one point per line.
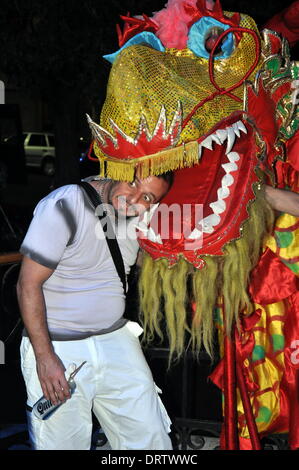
142 38
197 35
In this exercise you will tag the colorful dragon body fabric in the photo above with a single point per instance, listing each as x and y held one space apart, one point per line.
201 91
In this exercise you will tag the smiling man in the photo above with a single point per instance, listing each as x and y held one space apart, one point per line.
72 303
133 198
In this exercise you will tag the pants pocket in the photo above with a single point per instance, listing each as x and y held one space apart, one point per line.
134 328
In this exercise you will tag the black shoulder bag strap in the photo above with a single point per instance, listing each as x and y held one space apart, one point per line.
108 230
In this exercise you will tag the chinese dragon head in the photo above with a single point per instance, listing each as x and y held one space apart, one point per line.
199 91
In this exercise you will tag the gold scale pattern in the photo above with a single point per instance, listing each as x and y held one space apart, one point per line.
143 79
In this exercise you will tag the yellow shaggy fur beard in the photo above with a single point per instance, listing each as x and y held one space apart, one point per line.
166 292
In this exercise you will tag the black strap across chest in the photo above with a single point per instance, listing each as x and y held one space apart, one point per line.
109 233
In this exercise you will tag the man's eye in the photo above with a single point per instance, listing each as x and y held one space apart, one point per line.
147 198
132 184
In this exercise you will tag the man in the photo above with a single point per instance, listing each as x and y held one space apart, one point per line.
72 303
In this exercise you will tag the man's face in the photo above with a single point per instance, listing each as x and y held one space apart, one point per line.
132 199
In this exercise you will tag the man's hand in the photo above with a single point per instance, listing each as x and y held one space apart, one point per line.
50 372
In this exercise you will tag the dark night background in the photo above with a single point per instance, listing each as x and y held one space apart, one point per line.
51 63
52 67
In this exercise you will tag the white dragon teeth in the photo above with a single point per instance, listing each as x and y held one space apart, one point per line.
216 139
229 167
222 135
218 207
236 129
227 180
242 127
144 230
143 225
231 137
150 233
223 193
147 217
153 237
195 234
209 222
233 157
208 143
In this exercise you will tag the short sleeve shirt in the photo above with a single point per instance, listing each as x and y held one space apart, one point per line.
84 295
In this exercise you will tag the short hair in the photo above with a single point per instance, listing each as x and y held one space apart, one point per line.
168 176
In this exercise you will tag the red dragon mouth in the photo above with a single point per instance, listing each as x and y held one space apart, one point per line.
221 185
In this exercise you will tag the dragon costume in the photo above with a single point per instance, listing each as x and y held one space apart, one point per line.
201 91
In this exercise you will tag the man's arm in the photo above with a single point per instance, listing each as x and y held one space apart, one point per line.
283 200
139 259
50 369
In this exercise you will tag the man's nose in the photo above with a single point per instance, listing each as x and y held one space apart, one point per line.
135 197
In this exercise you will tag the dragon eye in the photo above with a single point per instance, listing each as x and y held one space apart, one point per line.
211 38
204 34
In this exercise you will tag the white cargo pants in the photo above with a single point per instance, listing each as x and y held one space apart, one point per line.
116 383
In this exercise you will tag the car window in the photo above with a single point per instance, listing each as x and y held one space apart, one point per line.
37 140
51 140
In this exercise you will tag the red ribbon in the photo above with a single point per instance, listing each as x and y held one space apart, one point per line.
234 375
230 386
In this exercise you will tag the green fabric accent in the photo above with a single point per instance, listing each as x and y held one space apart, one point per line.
278 342
264 415
295 70
277 72
284 239
274 65
282 109
258 353
218 317
293 267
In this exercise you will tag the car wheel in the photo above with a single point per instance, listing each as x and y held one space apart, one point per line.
48 167
3 175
